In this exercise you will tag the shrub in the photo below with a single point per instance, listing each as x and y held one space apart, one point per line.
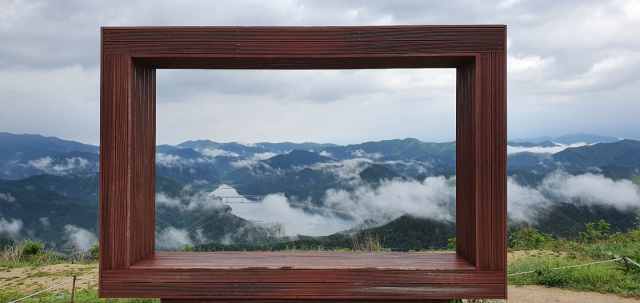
94 252
32 248
528 237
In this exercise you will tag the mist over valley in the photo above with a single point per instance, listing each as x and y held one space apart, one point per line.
268 196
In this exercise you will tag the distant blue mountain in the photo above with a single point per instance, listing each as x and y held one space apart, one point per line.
531 144
570 139
24 147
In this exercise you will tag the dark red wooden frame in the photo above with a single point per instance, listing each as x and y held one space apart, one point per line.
129 265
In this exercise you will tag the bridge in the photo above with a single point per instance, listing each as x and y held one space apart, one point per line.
243 199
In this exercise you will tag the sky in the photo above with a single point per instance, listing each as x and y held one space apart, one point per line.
573 66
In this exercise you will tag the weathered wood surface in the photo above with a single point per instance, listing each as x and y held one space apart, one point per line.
131 268
305 260
327 291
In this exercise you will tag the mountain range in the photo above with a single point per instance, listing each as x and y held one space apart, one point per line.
49 183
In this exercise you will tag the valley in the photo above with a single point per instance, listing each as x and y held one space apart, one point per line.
270 196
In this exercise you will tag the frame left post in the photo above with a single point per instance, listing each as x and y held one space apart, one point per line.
127 162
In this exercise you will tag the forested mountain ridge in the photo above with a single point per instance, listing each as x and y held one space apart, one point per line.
46 185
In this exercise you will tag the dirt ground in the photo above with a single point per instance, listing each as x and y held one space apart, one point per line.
30 280
543 294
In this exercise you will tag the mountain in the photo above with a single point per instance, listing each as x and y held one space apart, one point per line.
278 148
570 139
82 187
532 140
185 152
242 150
295 158
412 233
46 204
585 138
407 149
284 147
305 178
546 143
199 145
525 178
375 173
567 219
402 234
196 176
36 151
624 153
57 164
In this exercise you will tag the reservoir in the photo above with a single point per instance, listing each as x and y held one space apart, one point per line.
275 208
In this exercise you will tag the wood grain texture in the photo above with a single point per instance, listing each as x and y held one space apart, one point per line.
305 260
130 267
466 149
328 290
295 300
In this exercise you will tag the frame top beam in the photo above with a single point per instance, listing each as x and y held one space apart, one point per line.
304 47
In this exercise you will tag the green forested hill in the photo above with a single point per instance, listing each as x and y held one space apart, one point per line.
567 219
375 173
23 147
625 153
405 149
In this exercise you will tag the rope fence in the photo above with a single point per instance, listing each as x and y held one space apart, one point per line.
509 275
52 287
579 265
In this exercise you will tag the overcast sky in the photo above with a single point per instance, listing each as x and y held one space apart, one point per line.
573 66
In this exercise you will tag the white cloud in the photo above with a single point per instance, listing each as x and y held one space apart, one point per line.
326 154
253 160
525 203
172 238
42 163
275 208
45 222
591 189
168 160
189 201
7 197
10 229
80 238
345 169
433 198
46 165
545 150
212 152
362 154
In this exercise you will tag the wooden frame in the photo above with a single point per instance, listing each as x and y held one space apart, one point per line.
129 266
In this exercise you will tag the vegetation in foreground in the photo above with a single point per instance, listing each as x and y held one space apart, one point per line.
596 244
542 254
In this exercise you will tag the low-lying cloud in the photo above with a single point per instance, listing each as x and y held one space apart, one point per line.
276 208
433 198
212 152
45 222
172 238
10 229
80 238
250 162
7 197
539 149
525 203
188 202
47 165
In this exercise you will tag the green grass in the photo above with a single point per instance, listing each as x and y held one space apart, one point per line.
610 277
595 245
54 296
